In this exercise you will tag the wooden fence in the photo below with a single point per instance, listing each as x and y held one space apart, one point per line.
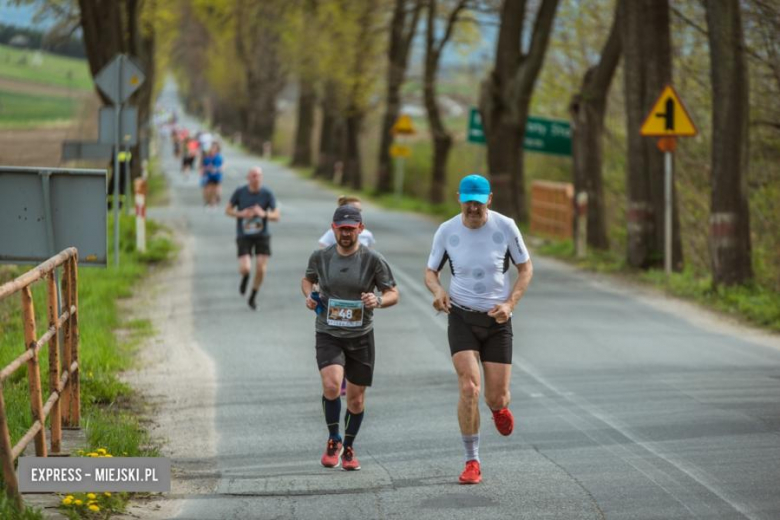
63 403
552 209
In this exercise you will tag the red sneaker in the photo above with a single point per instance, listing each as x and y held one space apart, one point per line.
472 474
505 421
348 461
330 459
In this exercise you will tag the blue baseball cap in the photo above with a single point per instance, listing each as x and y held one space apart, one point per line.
474 187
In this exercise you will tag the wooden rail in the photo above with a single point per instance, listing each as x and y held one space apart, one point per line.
552 209
63 404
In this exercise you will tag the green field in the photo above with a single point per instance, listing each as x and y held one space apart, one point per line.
24 110
44 68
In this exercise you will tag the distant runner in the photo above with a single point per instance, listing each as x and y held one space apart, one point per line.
253 206
480 245
347 273
211 175
366 237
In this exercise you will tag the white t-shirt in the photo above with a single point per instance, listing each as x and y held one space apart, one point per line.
205 141
479 259
366 238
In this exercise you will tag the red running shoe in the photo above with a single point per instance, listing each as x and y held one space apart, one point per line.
330 459
348 461
472 474
505 421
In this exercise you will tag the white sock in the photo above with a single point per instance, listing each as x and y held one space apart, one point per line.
471 443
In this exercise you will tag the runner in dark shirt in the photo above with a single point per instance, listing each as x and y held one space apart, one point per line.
253 206
347 273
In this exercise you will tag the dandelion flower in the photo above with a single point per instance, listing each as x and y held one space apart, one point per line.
94 508
91 496
78 502
67 501
107 494
102 451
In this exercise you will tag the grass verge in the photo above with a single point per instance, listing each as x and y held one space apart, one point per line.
749 303
108 341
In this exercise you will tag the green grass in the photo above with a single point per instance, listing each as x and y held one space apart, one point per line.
51 70
752 303
22 110
107 402
9 512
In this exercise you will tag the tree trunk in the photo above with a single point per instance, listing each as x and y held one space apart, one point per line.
402 30
331 133
588 108
353 173
505 98
646 43
104 33
307 100
442 140
730 245
258 46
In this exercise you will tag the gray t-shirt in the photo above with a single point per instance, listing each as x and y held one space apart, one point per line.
342 279
243 198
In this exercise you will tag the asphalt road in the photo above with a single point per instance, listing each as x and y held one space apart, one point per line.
626 409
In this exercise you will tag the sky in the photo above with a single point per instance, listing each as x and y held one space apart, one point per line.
21 16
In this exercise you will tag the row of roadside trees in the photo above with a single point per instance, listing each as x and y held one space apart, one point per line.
349 58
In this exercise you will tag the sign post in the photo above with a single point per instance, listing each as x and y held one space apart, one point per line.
399 152
118 81
668 120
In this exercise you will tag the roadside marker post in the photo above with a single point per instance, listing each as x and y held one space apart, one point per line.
140 215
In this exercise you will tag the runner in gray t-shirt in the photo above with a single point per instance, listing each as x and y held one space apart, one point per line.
347 274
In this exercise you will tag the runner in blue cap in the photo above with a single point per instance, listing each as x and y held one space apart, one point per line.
480 245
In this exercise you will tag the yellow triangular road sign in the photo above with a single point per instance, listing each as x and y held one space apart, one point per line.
403 125
668 117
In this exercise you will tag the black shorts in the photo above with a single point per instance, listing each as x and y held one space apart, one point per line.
260 244
472 330
356 355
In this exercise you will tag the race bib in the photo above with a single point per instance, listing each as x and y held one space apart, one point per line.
253 226
345 313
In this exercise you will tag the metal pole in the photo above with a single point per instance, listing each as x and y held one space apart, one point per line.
117 111
668 213
47 214
399 177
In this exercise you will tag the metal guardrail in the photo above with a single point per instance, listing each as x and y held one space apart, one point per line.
64 402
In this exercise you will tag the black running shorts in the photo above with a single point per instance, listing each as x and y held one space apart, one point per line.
356 355
472 330
260 244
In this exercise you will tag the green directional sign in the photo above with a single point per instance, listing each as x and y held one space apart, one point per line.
476 133
551 136
544 135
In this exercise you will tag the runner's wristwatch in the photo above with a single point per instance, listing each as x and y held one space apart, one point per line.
378 301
